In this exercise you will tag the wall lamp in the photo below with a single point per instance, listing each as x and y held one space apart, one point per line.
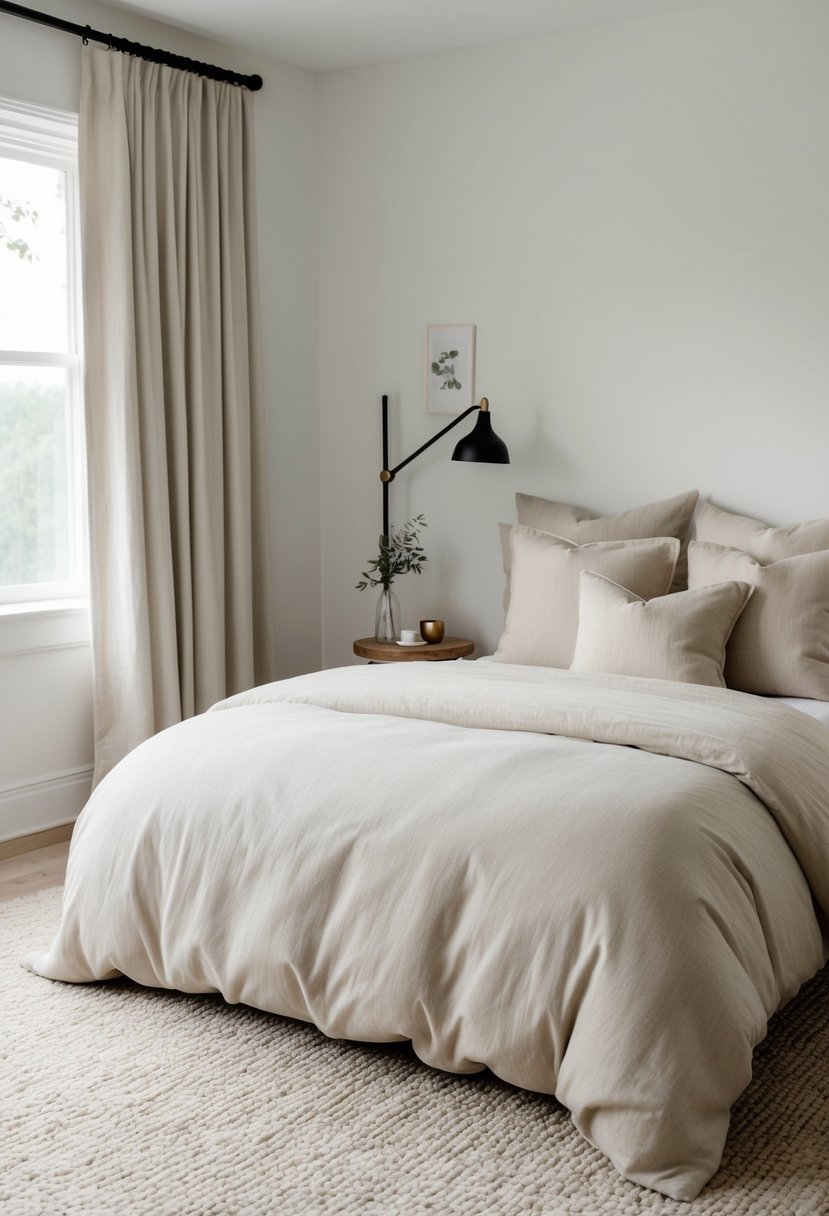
481 445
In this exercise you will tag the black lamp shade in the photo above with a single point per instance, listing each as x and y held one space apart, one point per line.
482 444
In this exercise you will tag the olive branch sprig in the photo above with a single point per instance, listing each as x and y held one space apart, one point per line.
399 553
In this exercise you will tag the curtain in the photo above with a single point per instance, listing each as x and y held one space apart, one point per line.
180 587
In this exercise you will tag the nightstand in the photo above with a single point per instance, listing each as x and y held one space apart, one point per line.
432 652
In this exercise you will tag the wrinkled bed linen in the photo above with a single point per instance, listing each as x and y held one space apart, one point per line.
815 709
598 887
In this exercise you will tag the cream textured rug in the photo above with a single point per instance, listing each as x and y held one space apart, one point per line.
121 1100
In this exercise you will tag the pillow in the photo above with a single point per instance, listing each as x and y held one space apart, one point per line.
670 517
673 637
720 527
543 614
780 644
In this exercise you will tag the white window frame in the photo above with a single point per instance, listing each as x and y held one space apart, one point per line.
44 136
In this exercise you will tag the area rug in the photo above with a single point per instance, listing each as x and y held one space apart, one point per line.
117 1099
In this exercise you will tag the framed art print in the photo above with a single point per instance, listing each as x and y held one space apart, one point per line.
450 368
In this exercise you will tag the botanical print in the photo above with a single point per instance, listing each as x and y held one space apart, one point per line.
444 369
450 368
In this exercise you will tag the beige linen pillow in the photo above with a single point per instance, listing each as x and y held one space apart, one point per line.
543 615
673 637
780 644
720 527
669 517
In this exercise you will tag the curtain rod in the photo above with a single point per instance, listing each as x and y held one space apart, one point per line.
168 58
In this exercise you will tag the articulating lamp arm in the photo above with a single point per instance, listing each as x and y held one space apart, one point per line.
387 475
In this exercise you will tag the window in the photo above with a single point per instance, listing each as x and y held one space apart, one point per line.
42 518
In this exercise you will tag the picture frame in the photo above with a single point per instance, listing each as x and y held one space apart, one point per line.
450 368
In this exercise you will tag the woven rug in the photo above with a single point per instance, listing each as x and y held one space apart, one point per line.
117 1099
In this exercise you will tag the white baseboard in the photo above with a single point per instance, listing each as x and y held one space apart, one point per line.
39 803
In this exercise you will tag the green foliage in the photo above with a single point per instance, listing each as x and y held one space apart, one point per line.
17 212
444 369
399 553
33 493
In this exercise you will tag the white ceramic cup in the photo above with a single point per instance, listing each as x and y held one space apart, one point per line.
409 637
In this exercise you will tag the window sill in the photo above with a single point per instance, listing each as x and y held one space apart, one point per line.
41 608
32 628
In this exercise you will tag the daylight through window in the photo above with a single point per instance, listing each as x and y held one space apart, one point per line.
41 452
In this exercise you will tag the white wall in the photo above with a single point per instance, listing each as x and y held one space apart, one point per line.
45 719
635 217
45 679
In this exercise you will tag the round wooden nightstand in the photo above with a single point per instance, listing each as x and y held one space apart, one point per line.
432 652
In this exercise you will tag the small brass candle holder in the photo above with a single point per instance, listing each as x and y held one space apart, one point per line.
432 631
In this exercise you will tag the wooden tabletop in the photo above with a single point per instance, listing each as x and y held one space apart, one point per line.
390 652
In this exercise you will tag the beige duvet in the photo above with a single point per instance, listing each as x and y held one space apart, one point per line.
596 886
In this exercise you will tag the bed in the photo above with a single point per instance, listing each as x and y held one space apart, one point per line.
598 885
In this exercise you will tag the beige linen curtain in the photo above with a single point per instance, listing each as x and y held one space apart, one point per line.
180 586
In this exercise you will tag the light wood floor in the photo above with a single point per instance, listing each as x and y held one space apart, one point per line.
33 871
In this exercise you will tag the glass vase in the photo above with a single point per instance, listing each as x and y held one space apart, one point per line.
387 618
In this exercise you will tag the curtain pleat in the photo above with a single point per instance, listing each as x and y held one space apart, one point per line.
180 583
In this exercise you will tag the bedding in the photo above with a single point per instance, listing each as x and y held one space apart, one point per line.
671 637
767 544
597 886
543 614
780 644
819 710
668 517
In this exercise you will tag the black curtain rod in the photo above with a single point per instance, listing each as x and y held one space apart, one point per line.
168 58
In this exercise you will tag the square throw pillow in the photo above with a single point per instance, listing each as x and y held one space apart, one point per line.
672 637
780 644
669 517
719 527
543 614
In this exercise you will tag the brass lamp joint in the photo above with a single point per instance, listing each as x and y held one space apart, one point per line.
484 407
386 475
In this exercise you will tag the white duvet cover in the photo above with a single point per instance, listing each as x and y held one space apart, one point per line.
598 887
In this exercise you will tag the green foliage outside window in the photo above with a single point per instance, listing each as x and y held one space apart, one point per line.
15 213
33 484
